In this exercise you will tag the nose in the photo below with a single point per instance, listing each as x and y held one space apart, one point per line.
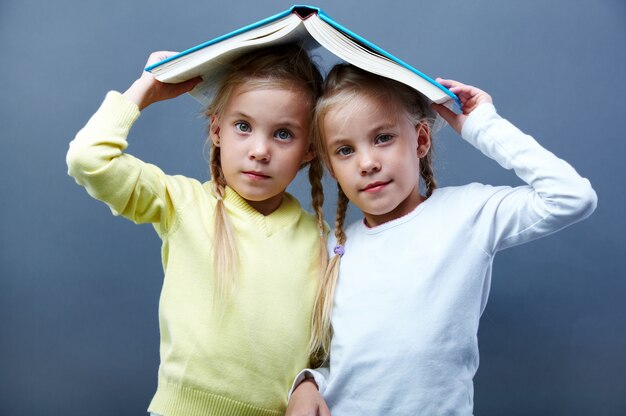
259 150
368 163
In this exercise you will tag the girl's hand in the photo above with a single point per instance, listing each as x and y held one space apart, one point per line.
306 400
148 90
471 97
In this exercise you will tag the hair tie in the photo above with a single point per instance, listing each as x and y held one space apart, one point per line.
339 250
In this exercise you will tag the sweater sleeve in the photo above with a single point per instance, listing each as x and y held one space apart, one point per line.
96 160
555 195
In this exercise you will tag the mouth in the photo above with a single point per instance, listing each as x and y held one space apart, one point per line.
254 175
375 186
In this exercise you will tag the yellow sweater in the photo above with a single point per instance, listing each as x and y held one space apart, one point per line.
243 361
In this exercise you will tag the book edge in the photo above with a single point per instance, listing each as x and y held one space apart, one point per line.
221 38
386 54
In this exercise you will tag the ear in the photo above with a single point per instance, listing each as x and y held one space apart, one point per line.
422 129
214 130
309 155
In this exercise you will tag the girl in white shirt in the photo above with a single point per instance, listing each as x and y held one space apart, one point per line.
408 283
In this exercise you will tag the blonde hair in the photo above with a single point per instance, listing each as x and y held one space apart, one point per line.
279 67
343 84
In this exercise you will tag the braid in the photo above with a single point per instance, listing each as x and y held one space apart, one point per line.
316 172
215 163
340 217
321 330
224 247
427 173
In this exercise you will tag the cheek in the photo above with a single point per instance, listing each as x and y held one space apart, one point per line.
288 163
341 173
333 168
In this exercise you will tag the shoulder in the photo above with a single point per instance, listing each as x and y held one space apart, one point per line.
470 191
187 200
182 186
467 200
350 230
354 227
292 207
183 191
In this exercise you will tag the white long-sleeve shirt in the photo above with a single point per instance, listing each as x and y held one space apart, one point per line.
410 292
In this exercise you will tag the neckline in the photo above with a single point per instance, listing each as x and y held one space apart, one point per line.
398 221
287 213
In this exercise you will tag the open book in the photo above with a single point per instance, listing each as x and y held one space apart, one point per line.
309 26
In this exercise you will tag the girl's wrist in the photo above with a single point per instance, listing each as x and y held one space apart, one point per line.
138 93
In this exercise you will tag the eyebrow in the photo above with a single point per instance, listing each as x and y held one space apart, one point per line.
378 128
384 126
239 114
282 123
338 142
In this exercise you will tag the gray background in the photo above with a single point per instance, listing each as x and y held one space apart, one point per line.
79 288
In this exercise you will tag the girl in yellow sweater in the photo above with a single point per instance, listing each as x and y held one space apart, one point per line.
241 257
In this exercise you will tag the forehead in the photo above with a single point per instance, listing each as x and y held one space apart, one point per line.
276 99
290 89
360 110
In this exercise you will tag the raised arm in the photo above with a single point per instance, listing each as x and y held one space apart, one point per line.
148 90
556 195
97 159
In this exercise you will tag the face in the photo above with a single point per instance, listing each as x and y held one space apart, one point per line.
263 136
374 155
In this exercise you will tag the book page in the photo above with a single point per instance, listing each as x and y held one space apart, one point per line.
358 54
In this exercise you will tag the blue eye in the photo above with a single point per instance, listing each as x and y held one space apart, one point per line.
243 127
283 135
344 151
384 138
